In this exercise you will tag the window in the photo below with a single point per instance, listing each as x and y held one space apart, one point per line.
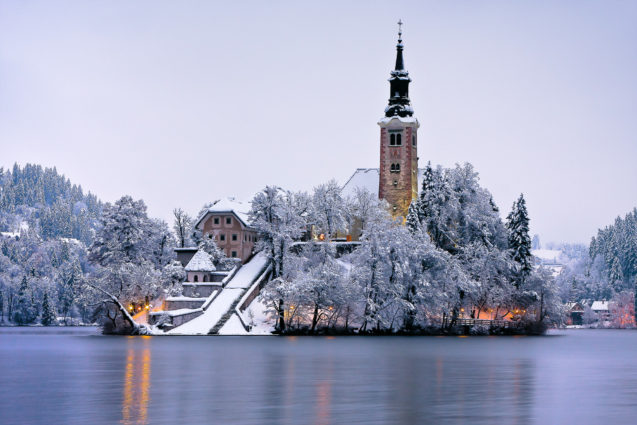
394 168
395 185
228 220
209 236
216 220
205 278
413 141
196 279
395 138
222 237
233 254
245 238
234 237
398 168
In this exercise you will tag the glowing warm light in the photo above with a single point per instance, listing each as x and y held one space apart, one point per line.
130 307
462 309
331 308
291 307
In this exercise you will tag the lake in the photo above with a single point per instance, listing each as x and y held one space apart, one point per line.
76 376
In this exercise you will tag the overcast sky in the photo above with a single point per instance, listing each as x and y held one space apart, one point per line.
181 103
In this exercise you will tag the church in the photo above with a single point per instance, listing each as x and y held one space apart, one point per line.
397 178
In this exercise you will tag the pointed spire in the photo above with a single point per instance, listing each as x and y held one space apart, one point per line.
399 83
399 47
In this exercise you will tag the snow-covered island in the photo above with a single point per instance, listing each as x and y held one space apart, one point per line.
397 249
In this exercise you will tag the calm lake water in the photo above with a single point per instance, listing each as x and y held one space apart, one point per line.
75 376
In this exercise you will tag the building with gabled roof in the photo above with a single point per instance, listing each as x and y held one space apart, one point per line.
228 223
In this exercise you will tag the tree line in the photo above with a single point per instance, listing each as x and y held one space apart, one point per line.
454 258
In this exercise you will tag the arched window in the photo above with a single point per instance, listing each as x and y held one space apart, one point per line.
397 168
399 139
392 140
392 168
196 279
413 141
205 278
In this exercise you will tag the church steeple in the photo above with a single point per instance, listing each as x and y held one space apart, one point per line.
399 103
398 172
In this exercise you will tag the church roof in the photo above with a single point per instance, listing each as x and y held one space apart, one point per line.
200 262
368 178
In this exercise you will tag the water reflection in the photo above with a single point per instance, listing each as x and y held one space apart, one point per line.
587 377
324 395
136 382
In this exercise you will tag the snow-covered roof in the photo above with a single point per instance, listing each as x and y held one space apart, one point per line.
228 205
200 262
408 120
368 178
599 305
574 307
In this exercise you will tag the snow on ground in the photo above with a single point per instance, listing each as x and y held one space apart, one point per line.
257 315
182 298
249 272
203 324
178 312
233 327
234 289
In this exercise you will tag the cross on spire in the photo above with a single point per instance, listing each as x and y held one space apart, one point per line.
400 29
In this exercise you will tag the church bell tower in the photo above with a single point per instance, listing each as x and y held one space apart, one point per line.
398 183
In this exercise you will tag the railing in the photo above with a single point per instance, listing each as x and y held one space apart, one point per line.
485 322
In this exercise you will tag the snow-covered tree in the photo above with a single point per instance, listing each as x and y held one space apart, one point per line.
279 218
518 236
131 251
327 209
182 227
413 221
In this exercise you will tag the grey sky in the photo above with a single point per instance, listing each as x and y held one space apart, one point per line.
180 103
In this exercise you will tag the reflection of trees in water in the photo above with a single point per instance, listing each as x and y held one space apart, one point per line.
457 390
136 382
296 389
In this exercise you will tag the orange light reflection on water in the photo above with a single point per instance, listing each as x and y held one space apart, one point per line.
136 383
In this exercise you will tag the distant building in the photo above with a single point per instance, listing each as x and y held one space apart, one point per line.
549 258
575 313
227 222
602 309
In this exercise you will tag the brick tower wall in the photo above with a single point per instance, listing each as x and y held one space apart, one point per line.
398 189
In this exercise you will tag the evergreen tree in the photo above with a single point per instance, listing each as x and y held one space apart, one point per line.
48 313
426 194
517 225
413 222
24 311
